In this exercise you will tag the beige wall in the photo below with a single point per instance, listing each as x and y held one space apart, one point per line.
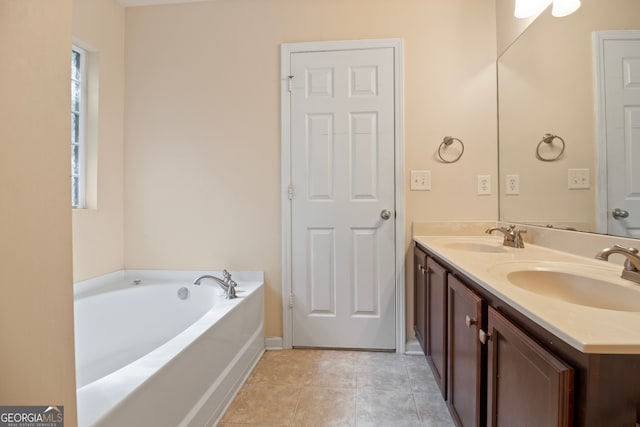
202 133
36 307
508 27
98 240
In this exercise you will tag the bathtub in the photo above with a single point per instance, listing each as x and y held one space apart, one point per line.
152 349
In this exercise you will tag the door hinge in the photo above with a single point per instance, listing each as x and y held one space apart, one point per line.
290 84
291 299
290 192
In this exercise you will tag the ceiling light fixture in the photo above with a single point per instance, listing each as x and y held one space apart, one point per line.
564 7
529 8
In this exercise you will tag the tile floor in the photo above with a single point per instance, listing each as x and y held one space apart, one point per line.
339 388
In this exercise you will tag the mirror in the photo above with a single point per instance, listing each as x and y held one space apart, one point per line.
546 86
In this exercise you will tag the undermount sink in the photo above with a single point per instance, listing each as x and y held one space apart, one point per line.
574 287
475 247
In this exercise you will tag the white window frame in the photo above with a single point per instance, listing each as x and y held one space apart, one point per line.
82 120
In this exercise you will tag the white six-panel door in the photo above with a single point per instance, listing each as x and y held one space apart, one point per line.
622 123
342 201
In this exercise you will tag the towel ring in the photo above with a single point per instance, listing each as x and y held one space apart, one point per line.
447 141
548 139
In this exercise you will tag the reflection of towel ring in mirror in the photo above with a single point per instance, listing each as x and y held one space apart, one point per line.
548 139
447 141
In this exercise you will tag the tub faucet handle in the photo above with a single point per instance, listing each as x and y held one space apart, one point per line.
231 293
226 274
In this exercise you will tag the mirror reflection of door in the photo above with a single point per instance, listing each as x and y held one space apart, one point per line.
619 83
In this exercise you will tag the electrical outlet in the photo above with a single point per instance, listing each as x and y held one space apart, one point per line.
512 184
421 180
578 179
484 184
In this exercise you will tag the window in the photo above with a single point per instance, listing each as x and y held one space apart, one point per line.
78 120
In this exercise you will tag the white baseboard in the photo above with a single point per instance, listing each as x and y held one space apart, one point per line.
413 347
273 343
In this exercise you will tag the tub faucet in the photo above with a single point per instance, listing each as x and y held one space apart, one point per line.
512 235
631 270
228 284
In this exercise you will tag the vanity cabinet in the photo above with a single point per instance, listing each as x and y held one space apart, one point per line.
494 367
499 375
436 315
419 296
525 382
466 354
430 311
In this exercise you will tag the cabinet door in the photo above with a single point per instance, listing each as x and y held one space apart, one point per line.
526 384
464 379
419 295
436 337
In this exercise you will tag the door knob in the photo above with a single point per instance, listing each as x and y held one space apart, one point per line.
385 214
619 213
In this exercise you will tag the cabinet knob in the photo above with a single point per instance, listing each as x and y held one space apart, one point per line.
483 336
469 321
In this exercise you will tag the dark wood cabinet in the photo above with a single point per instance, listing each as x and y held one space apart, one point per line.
419 296
465 397
436 316
527 385
525 374
430 313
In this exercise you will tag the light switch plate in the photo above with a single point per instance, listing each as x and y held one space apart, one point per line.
484 185
420 180
578 179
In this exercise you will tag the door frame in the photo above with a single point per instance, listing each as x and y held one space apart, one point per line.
286 50
600 99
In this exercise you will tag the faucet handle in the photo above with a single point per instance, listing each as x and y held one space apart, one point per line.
517 237
628 264
226 274
632 250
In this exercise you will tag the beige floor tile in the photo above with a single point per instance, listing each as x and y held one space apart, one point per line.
422 380
305 387
263 404
378 408
331 374
415 360
240 425
385 359
383 376
279 373
306 367
326 407
433 410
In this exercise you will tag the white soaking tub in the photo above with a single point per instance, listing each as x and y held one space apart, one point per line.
152 349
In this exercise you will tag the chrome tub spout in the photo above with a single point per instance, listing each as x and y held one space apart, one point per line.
227 284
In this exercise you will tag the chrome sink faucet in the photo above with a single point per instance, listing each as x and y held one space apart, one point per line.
512 235
228 284
631 270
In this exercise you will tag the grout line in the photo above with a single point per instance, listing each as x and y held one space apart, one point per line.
295 410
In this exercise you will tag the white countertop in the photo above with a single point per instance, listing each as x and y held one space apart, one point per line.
586 328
